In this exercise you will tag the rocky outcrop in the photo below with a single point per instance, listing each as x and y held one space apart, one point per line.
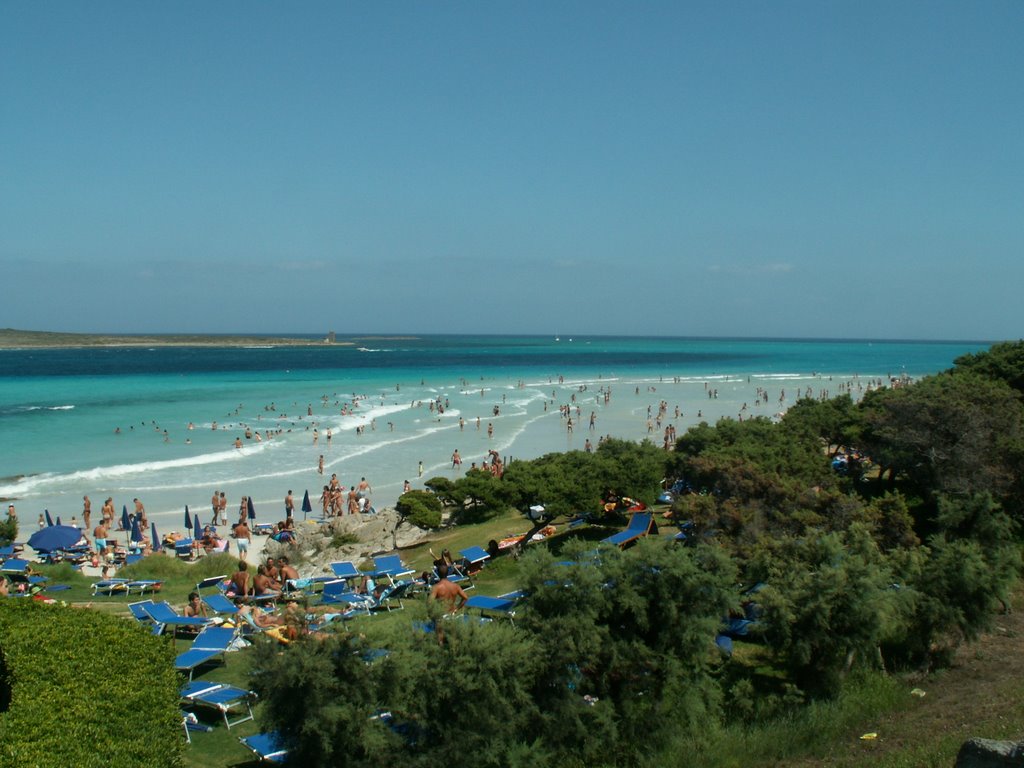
986 753
350 537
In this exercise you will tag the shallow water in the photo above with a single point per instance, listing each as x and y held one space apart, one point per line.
60 409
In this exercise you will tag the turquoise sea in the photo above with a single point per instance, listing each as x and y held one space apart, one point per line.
115 421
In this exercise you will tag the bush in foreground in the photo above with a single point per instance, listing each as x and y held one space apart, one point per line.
85 689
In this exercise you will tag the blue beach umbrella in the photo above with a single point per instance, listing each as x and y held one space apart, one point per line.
155 541
306 506
188 519
198 527
49 520
252 510
136 535
54 537
125 524
58 520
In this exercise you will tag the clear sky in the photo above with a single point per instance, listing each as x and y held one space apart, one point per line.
842 169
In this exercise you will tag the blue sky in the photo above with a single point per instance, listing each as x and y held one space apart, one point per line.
740 168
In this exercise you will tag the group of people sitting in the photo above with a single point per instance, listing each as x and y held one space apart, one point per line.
270 579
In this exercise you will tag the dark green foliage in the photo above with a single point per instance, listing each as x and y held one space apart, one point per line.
87 689
8 530
829 603
633 629
1001 362
945 434
420 508
320 697
481 496
836 422
575 482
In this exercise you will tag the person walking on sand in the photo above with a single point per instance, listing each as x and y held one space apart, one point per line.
222 508
242 536
86 512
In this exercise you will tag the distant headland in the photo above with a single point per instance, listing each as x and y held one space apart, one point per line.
11 338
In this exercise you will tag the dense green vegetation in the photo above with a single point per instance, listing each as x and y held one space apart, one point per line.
879 563
78 687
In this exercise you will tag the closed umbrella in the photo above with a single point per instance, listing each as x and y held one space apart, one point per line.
49 520
252 510
306 506
58 520
125 523
198 527
156 539
136 535
188 518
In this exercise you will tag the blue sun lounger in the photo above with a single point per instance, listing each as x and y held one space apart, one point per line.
232 703
220 604
504 605
162 613
335 592
110 587
211 581
475 556
346 569
390 566
208 645
266 746
639 526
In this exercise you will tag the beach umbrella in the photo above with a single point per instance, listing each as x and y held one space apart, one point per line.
198 527
125 523
49 520
58 520
306 506
155 541
252 510
55 537
188 519
136 535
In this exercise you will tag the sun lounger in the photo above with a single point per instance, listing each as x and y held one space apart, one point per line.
346 569
208 645
502 606
162 613
393 593
142 586
191 723
232 703
475 557
334 590
211 582
110 587
141 615
220 604
266 746
639 526
390 566
183 549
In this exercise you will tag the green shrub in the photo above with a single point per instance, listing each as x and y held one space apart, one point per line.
86 689
8 530
420 508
